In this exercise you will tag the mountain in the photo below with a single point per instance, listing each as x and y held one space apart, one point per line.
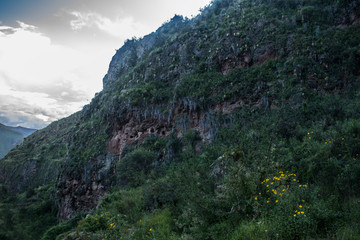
241 123
12 136
24 131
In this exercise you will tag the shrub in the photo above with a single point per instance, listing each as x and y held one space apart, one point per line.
134 167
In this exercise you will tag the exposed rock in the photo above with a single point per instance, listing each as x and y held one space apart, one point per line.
83 191
181 119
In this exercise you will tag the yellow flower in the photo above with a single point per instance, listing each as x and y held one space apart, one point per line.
112 225
300 206
294 215
267 201
325 142
267 185
277 201
255 198
150 229
299 185
283 190
302 212
342 139
308 133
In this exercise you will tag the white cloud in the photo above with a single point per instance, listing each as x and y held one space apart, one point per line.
25 26
37 75
121 27
81 21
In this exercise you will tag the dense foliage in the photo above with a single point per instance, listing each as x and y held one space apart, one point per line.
284 164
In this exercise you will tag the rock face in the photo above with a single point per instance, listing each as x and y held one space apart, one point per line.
127 57
83 191
139 125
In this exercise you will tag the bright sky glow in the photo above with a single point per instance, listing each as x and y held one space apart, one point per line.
52 62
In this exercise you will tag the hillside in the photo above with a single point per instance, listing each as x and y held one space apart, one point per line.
12 136
241 123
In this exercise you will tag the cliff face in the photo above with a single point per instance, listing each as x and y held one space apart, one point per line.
216 71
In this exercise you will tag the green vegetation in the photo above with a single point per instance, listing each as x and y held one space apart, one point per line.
29 214
259 184
282 163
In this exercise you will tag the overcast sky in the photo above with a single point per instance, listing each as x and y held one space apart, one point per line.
54 53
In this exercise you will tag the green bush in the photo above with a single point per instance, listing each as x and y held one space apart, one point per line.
133 168
252 230
157 225
60 229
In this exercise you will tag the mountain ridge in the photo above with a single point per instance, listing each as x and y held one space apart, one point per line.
197 109
12 136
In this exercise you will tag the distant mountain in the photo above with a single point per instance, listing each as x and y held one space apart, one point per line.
24 131
12 136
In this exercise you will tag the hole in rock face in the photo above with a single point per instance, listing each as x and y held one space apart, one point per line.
152 130
131 136
163 133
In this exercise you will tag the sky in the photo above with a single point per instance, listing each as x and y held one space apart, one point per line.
55 53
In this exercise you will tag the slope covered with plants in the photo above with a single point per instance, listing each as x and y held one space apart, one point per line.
242 123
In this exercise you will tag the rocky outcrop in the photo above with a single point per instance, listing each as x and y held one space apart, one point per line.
139 124
127 57
83 190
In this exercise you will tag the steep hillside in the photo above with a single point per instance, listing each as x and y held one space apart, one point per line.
12 136
242 123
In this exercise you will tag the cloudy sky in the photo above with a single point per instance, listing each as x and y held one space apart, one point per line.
54 53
